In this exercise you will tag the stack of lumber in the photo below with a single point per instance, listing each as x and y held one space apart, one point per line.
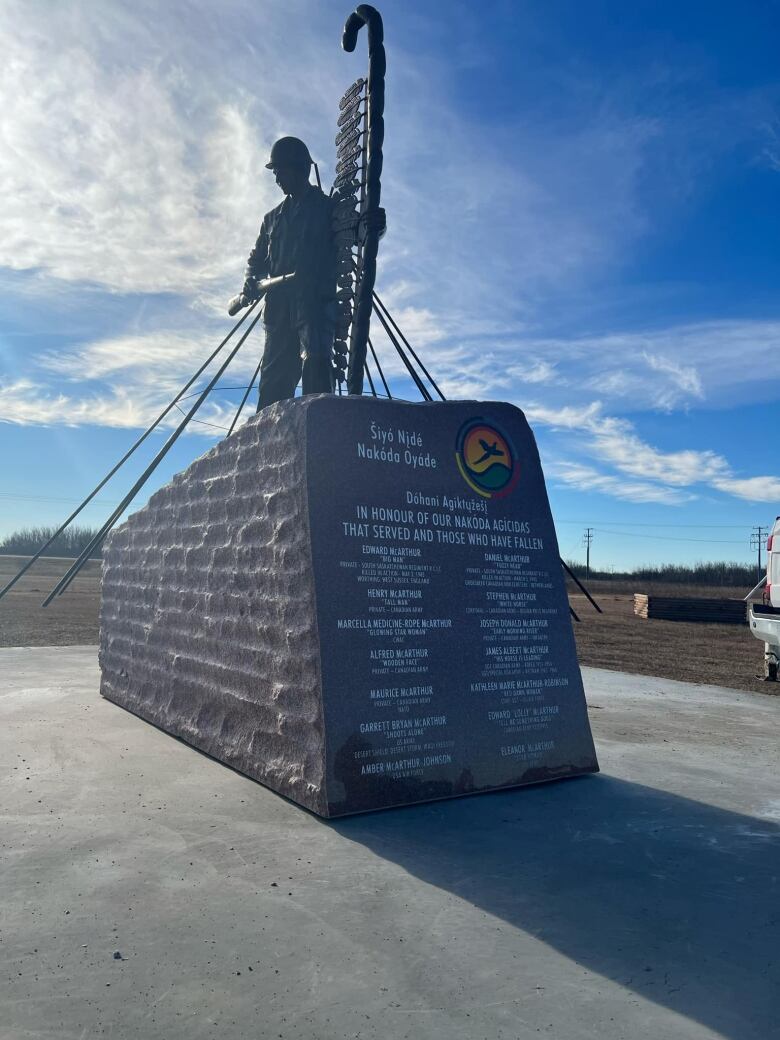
690 608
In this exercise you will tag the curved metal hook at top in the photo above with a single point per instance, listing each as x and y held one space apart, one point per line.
367 15
364 14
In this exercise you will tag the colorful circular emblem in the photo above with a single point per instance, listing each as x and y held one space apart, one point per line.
486 459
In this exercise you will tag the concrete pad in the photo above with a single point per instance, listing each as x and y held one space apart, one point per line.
639 903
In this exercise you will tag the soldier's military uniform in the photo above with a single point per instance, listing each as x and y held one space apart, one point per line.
299 317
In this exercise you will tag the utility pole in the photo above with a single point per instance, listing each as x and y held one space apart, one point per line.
587 538
757 539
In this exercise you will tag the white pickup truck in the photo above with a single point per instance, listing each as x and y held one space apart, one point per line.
764 606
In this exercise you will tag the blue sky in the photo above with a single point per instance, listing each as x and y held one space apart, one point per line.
583 219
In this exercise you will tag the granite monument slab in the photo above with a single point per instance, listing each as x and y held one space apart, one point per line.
358 603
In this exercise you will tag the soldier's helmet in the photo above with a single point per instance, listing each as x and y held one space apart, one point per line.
289 151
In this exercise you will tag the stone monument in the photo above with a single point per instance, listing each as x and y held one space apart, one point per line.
357 602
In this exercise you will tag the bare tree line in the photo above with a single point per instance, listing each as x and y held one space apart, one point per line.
71 542
724 574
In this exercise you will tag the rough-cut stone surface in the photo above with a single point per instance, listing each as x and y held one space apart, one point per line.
282 607
208 618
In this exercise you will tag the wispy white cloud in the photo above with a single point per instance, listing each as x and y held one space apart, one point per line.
587 478
568 417
678 366
684 378
25 403
752 489
153 358
641 472
614 441
536 371
126 384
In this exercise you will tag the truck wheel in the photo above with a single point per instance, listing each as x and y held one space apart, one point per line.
770 671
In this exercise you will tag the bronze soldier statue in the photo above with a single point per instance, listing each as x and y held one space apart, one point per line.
300 315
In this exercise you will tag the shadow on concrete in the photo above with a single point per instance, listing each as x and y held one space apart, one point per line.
671 898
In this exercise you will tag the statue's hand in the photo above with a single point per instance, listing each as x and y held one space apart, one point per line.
374 220
250 291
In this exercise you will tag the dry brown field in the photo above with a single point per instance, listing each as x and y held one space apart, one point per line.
726 655
70 620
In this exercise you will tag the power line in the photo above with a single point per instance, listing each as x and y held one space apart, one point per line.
49 498
587 541
188 396
666 538
202 422
757 538
631 523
